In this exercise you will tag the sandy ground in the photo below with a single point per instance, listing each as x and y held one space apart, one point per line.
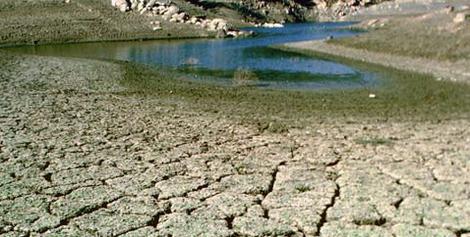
78 158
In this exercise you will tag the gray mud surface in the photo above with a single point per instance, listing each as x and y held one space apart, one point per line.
78 158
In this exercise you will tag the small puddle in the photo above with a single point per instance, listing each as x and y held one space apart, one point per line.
231 61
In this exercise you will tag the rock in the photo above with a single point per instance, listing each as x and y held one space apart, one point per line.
170 11
134 4
120 4
233 33
193 20
372 22
123 8
352 3
150 4
321 4
140 6
461 17
273 25
217 24
178 17
160 10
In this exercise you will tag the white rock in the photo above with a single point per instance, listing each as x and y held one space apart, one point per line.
123 8
179 17
193 20
140 6
372 22
232 33
217 24
160 10
372 96
321 4
156 23
169 12
120 4
172 9
134 4
150 4
273 25
460 17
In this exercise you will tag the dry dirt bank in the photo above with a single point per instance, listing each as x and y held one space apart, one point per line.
78 158
54 21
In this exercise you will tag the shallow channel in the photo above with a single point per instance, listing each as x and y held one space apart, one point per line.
248 60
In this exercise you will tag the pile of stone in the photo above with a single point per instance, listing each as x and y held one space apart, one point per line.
172 13
341 8
271 25
122 5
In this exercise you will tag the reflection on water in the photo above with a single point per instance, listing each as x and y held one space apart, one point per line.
218 60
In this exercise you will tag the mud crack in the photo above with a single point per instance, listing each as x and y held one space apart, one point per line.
323 215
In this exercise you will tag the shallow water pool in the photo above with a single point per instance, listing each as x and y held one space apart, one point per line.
231 61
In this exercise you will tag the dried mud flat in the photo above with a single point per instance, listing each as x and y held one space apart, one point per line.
79 159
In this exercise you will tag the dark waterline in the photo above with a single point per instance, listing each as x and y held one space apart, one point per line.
217 61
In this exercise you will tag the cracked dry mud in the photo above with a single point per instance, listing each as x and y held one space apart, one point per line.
77 159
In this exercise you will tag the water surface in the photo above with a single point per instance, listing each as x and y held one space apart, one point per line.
220 61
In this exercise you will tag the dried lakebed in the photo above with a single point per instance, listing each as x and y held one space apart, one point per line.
84 153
